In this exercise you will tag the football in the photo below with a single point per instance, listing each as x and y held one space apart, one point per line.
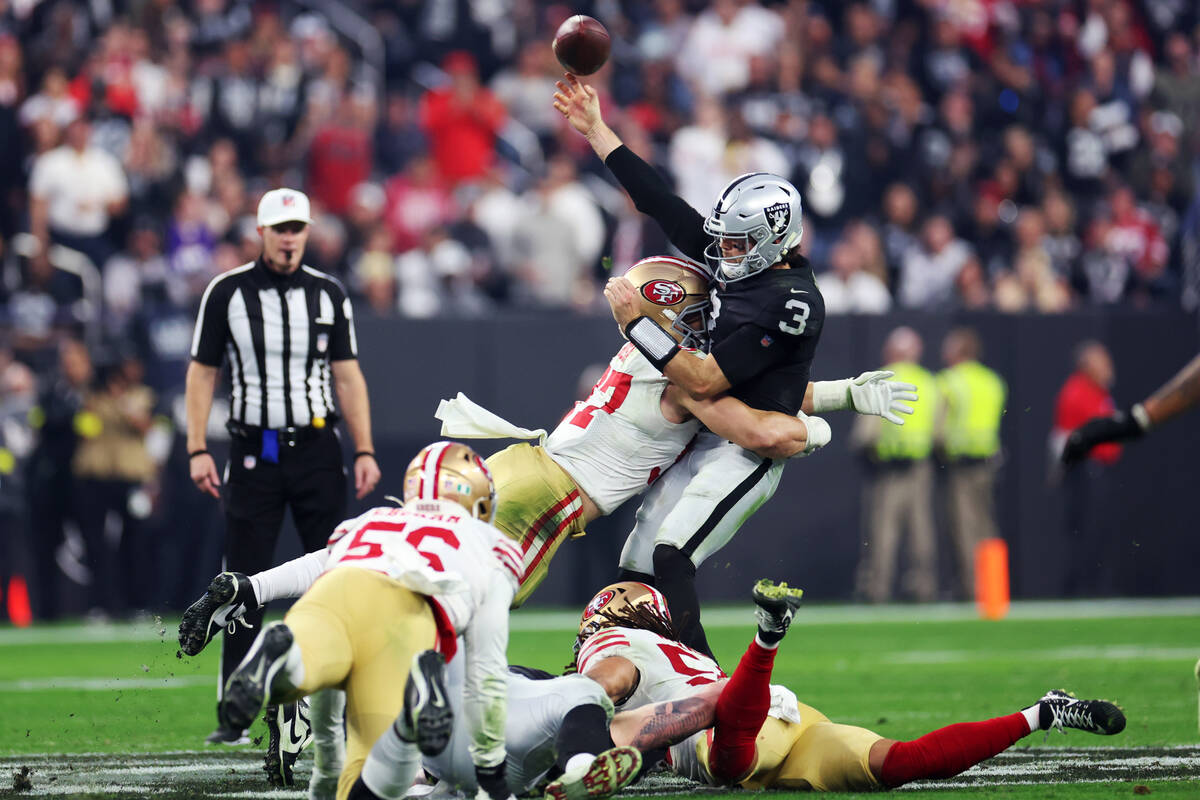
581 45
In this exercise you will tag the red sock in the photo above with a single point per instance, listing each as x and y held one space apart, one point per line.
741 710
950 750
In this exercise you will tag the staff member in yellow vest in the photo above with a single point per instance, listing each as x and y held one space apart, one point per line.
899 491
968 431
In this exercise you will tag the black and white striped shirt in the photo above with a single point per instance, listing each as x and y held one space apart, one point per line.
280 333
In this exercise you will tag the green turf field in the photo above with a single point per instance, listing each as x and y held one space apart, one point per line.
134 715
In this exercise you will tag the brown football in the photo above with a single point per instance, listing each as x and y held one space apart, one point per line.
581 45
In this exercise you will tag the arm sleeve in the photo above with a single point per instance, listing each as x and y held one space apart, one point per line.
208 340
683 225
485 696
749 351
290 579
344 346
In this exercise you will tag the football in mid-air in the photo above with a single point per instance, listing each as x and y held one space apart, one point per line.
581 44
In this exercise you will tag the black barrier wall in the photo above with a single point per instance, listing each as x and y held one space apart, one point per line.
528 370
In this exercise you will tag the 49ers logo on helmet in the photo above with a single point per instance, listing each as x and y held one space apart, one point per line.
598 602
662 292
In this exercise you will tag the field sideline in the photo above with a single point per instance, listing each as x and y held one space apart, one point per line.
132 715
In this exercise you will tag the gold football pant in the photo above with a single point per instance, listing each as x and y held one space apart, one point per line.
538 506
815 754
358 630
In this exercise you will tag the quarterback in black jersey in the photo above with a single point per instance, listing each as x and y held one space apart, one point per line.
766 320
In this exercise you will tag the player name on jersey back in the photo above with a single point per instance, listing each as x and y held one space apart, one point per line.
431 547
616 442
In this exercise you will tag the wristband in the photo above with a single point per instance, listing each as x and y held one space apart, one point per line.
195 453
658 346
362 453
831 395
1138 412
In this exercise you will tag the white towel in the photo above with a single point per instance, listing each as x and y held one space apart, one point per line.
784 704
464 419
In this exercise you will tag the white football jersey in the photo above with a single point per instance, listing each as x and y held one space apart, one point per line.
432 547
616 442
669 670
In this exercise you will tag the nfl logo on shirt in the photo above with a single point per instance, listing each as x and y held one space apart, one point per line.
766 341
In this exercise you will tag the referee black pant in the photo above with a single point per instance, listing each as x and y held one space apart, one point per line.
310 478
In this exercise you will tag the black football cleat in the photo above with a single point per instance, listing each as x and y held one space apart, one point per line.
227 598
1062 710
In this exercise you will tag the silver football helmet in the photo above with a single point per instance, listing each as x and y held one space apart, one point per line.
763 211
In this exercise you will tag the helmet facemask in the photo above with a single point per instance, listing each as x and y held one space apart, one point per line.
760 212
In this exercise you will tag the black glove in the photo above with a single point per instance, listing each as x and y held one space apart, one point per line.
1122 425
492 782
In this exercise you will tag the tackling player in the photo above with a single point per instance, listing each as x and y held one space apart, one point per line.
1172 399
765 324
395 582
760 736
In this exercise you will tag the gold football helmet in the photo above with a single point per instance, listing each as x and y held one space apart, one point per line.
674 293
615 598
451 471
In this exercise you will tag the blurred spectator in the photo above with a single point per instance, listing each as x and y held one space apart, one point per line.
989 237
1032 283
972 398
1085 394
111 466
190 240
1136 237
523 89
129 272
17 395
437 278
900 225
1177 83
848 288
373 274
461 121
339 156
1061 242
929 268
558 239
50 478
398 138
717 52
898 496
45 303
75 191
53 102
418 200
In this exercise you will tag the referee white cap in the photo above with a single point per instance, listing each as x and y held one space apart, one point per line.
283 205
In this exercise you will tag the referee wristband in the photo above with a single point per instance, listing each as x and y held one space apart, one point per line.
362 453
658 346
195 453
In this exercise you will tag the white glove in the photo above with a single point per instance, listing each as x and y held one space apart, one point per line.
819 434
869 393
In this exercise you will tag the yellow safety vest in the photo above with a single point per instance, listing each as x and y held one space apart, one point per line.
974 397
914 439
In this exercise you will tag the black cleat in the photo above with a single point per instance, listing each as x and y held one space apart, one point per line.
249 687
227 735
227 598
289 731
1061 710
775 605
427 717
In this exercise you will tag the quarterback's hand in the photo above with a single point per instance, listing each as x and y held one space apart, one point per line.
493 783
622 298
1118 427
366 475
224 603
204 474
873 393
578 103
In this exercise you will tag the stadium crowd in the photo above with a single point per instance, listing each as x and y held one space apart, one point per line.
1013 155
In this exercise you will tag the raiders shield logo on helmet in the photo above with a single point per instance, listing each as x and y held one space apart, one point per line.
662 292
779 216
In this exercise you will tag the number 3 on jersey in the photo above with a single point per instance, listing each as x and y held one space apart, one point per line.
801 319
607 395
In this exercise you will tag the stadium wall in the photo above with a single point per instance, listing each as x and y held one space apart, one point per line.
528 369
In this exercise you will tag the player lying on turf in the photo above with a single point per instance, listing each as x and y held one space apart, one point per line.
760 736
395 583
554 723
634 425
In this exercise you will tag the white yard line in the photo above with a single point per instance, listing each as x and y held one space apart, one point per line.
102 684
537 620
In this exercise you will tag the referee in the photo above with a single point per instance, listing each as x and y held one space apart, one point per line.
287 331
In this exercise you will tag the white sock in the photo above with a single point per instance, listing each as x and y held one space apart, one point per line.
1033 715
578 764
764 645
293 668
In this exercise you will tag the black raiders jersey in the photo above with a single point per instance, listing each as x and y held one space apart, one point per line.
765 331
